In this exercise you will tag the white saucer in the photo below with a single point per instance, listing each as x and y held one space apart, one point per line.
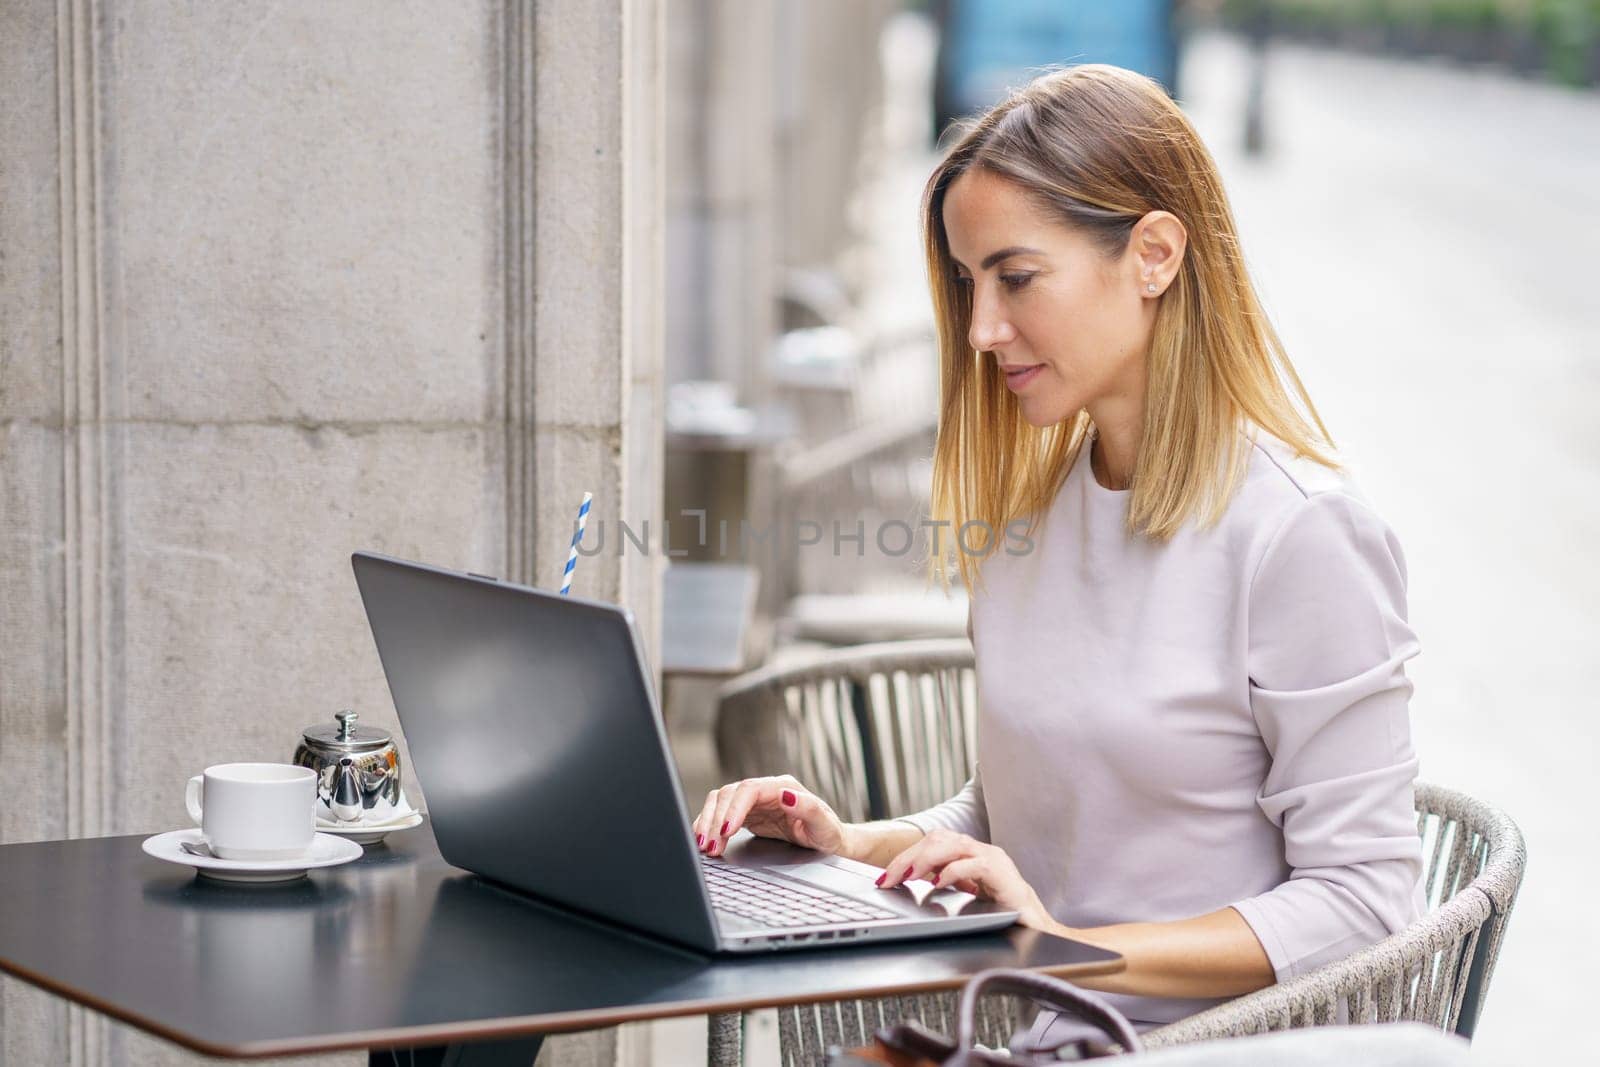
363 833
326 851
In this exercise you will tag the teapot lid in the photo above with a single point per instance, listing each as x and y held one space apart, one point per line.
346 736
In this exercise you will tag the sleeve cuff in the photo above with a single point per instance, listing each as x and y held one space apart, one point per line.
1255 916
937 819
920 821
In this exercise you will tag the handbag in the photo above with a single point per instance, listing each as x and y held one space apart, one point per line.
910 1044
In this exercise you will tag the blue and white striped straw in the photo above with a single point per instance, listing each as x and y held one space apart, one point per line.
577 535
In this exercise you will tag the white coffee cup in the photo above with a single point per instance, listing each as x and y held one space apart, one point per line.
254 811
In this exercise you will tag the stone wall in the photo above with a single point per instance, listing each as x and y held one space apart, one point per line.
277 283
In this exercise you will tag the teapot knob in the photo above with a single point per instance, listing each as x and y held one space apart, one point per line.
347 724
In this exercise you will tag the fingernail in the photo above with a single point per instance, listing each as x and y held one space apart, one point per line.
933 879
699 839
788 798
907 876
881 877
724 832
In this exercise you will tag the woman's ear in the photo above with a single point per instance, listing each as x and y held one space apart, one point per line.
1157 244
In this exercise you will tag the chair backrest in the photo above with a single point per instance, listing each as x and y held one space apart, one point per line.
877 730
1435 971
885 730
1469 848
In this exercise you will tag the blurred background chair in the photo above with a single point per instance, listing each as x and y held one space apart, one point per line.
877 731
886 730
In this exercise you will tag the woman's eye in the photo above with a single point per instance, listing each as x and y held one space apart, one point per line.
1015 281
962 279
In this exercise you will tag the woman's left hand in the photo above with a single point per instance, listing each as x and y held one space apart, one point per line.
946 858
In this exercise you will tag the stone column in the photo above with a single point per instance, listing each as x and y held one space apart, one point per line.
277 283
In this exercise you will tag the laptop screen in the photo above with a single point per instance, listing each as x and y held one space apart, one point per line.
534 735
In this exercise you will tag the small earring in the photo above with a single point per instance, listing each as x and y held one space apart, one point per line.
1150 287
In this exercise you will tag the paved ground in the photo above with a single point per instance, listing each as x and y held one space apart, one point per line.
1424 238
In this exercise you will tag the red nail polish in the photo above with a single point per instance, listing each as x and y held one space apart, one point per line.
788 798
907 876
933 879
881 877
724 832
699 839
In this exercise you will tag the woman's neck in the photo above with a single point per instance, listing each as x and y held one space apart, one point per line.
1113 457
1118 417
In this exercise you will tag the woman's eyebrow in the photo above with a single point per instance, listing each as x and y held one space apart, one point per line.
995 257
1006 253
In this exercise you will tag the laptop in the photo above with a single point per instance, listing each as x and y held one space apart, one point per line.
535 734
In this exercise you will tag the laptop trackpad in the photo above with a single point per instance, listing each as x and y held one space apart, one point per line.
848 876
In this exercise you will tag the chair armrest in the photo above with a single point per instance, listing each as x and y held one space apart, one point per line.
1374 983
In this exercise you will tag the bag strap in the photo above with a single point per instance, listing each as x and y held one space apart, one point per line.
1052 992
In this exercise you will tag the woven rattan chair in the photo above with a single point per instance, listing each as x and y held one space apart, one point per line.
1435 971
884 730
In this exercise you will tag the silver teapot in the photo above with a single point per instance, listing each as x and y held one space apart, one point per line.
358 770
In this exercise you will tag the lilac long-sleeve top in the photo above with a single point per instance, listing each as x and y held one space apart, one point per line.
1221 720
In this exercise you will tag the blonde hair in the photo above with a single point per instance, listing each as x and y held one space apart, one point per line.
1101 147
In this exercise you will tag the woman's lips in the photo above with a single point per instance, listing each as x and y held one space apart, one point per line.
1018 379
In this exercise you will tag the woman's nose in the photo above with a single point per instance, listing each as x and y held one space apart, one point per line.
989 327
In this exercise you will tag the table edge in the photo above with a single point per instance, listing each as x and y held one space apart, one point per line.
509 1026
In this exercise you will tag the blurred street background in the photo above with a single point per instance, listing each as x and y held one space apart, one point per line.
1418 231
1418 193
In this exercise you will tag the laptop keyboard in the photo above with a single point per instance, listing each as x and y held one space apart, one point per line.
776 904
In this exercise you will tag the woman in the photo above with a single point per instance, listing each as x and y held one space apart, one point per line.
1193 737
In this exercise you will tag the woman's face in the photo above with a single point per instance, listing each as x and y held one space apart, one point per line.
1068 326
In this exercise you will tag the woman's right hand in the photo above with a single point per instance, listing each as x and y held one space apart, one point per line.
777 807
